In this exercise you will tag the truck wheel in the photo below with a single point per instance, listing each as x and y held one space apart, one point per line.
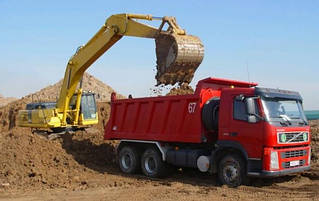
152 164
231 170
210 114
129 160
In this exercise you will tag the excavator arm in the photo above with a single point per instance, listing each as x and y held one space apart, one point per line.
178 56
113 30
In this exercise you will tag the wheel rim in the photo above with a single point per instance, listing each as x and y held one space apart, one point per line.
126 161
231 173
150 165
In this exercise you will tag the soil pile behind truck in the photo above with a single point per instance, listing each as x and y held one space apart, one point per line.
6 100
314 124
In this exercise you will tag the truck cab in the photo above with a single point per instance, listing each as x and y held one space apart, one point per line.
269 125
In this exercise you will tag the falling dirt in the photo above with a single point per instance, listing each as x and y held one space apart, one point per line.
183 89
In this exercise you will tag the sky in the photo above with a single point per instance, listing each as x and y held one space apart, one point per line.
274 43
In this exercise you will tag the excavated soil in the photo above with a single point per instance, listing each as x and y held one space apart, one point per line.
6 100
82 166
183 89
315 140
178 57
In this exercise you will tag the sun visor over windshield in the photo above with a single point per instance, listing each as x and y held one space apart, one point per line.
277 93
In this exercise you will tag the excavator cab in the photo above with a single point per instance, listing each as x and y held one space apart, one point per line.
42 114
88 112
88 107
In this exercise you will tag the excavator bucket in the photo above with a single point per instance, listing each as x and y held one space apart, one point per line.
178 57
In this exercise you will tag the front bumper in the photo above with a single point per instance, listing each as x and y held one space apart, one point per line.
265 173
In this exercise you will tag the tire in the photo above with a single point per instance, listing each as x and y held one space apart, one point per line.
232 170
210 114
129 160
152 164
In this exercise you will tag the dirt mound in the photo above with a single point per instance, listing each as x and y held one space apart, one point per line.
30 160
90 83
104 111
6 100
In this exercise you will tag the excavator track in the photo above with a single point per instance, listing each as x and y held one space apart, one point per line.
178 57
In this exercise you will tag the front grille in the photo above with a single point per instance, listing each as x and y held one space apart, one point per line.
287 164
291 137
294 153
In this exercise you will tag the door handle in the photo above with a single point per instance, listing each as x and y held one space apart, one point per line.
233 134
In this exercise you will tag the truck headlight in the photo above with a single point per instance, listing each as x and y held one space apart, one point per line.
282 137
274 162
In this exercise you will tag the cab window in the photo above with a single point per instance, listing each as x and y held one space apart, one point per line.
240 110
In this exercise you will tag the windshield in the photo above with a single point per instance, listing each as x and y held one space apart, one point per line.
286 112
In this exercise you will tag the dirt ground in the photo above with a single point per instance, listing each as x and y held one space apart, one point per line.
82 166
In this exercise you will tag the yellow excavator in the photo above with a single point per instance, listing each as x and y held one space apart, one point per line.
178 56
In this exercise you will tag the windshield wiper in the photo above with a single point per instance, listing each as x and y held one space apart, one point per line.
286 118
301 123
283 123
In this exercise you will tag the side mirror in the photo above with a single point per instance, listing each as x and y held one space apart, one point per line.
253 117
240 97
250 105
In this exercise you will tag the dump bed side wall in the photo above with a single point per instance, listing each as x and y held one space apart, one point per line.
167 119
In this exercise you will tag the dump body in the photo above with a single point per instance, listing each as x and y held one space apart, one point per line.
171 119
166 118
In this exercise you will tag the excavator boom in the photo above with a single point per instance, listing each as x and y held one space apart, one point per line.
178 56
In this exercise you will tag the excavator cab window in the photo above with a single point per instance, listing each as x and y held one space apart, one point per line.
88 106
40 105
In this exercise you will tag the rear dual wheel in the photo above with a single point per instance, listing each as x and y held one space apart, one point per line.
151 163
129 159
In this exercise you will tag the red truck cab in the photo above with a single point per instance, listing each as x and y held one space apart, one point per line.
231 128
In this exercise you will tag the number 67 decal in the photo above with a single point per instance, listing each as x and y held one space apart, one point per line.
191 107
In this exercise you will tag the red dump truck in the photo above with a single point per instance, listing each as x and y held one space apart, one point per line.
231 128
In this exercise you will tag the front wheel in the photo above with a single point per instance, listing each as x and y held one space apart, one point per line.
232 170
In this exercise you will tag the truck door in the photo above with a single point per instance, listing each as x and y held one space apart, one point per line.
237 128
248 134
